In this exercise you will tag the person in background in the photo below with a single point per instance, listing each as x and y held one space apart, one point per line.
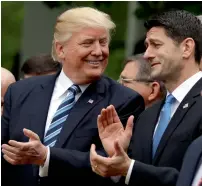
40 65
7 78
136 75
49 122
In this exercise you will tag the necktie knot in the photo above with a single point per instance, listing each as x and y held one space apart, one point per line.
170 99
75 89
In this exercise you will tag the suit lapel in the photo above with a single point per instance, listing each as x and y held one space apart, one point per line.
181 111
91 97
144 133
153 119
40 100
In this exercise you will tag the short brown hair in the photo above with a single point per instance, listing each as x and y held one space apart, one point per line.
40 64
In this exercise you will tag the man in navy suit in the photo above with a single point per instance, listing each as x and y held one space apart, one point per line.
50 122
164 131
191 171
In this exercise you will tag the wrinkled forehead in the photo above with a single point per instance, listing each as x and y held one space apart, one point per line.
156 34
130 70
87 33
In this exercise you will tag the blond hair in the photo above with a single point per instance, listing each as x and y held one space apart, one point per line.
77 18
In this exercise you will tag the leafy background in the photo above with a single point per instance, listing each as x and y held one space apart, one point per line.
13 14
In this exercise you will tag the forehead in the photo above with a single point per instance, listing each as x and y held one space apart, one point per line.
86 33
130 70
156 33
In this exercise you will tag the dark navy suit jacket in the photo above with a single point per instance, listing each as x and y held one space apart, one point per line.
26 106
191 163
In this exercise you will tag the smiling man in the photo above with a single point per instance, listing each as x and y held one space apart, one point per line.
61 110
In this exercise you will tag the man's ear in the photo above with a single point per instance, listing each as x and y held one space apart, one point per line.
59 50
188 47
155 86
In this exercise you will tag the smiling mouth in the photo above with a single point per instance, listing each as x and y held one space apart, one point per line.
95 63
154 64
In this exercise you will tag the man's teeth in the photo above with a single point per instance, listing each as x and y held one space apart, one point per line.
94 62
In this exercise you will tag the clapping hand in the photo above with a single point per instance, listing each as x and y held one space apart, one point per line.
111 129
21 153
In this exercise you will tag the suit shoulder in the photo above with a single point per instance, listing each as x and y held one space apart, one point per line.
31 82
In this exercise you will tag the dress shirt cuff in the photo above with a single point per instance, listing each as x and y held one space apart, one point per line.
43 170
129 172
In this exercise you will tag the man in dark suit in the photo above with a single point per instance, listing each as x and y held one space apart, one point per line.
191 171
50 122
163 132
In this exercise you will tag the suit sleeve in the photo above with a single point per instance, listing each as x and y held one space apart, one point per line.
66 162
144 174
132 106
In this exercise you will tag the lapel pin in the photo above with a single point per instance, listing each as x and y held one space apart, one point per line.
185 106
90 101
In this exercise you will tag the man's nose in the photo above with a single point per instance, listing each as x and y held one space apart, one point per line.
97 50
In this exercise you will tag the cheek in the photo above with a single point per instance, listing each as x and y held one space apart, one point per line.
75 56
105 51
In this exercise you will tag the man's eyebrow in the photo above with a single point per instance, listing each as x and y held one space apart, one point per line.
152 40
104 37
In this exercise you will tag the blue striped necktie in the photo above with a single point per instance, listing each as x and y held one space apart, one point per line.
61 116
165 116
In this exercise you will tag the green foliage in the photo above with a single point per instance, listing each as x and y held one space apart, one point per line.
115 63
147 8
55 4
12 15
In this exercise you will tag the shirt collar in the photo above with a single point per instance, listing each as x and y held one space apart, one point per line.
182 90
63 83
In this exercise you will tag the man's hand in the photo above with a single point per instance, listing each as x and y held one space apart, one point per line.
110 129
117 165
21 153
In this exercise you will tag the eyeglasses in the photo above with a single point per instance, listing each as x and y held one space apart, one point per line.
129 80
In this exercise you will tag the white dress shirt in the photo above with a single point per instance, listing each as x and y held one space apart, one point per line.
59 93
179 93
